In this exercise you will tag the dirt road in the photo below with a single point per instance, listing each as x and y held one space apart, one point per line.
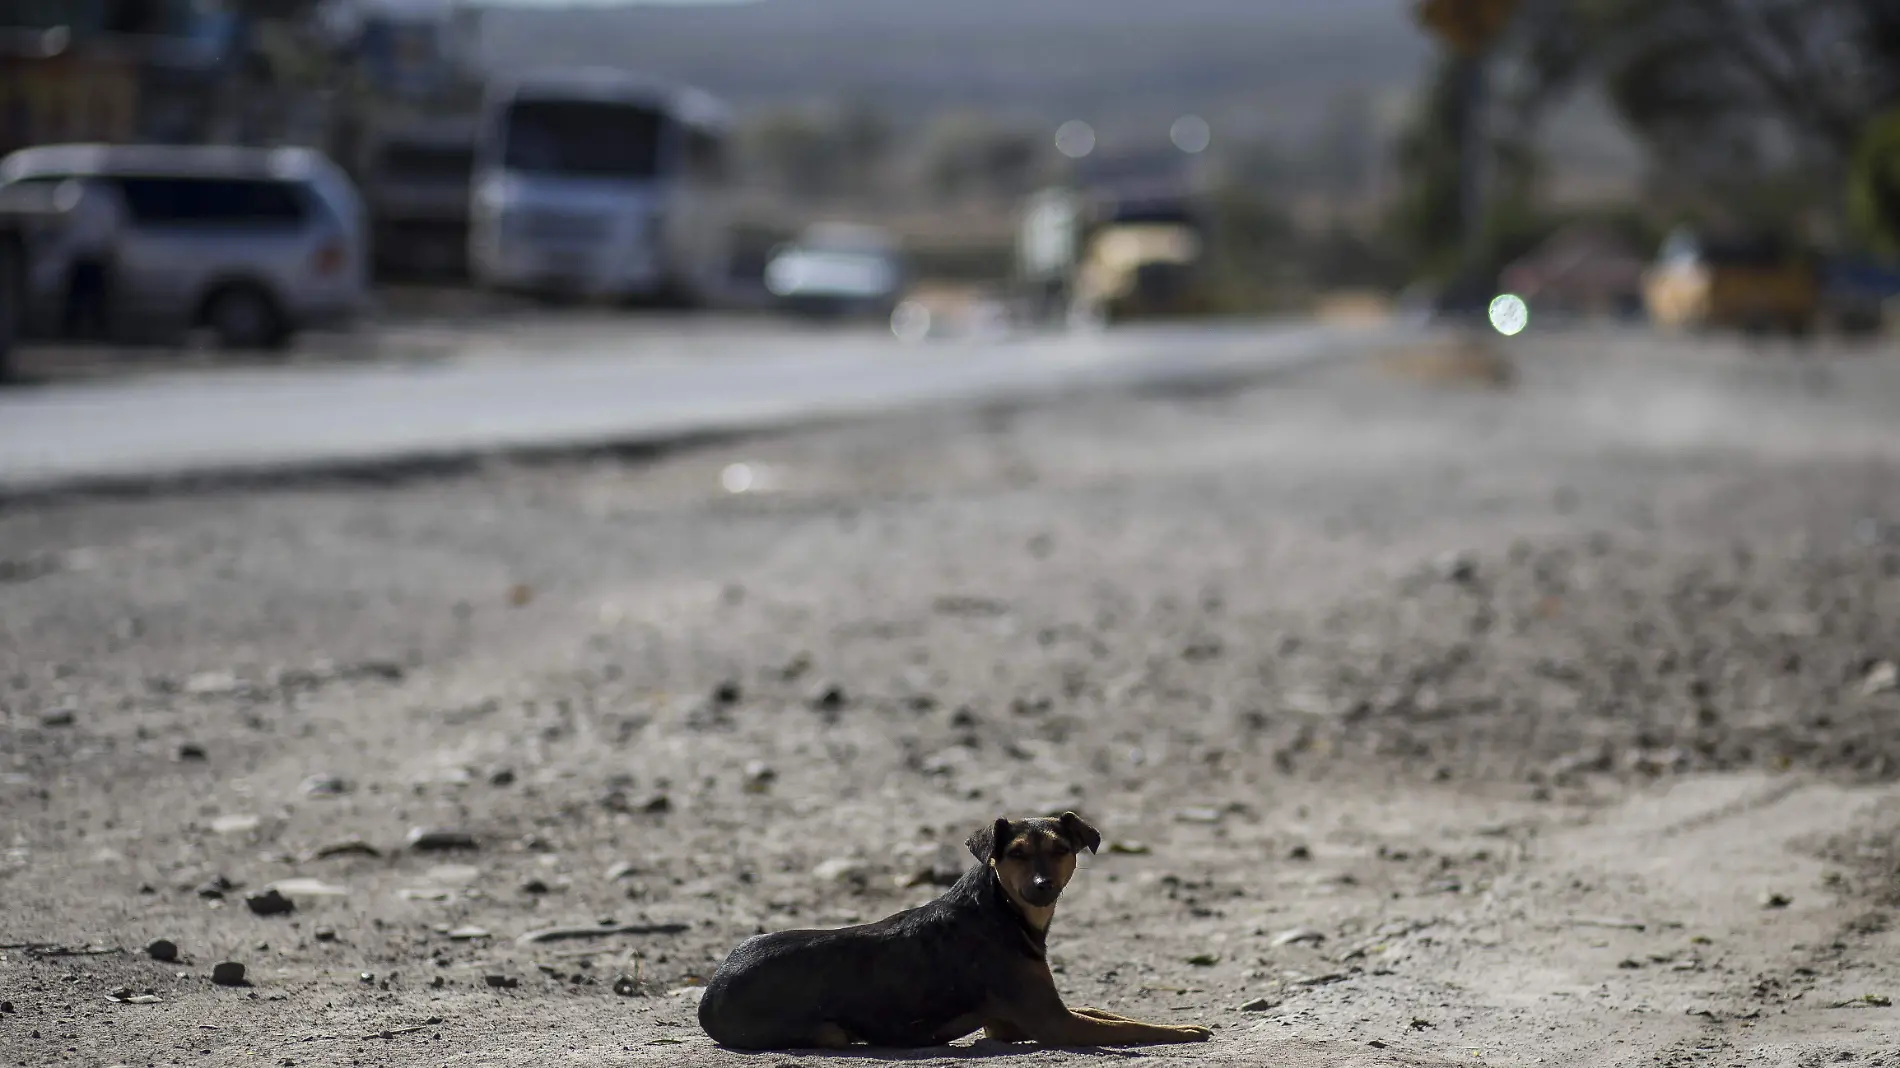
1427 725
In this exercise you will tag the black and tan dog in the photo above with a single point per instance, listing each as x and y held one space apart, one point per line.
973 958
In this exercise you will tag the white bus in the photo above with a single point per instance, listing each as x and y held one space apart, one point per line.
598 183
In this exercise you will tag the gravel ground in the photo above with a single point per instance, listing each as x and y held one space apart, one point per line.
1428 724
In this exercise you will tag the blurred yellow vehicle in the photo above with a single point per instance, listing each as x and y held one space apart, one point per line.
1757 285
1140 262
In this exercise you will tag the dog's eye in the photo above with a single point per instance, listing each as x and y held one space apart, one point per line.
1058 850
1019 854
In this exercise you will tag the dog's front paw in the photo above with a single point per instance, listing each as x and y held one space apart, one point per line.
1194 1034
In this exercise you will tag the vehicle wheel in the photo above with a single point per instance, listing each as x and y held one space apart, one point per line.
245 317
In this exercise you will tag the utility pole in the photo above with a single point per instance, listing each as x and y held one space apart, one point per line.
1469 29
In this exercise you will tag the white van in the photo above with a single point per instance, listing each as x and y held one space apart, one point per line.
252 244
598 183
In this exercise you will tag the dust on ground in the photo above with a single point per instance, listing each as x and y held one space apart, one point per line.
1553 724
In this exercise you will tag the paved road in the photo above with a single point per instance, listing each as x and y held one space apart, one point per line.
528 390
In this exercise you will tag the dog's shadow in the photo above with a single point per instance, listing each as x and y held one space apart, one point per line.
981 1049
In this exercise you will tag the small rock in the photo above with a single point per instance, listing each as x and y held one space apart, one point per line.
534 886
759 777
143 999
502 777
1297 935
228 973
6 1008
270 903
366 978
215 887
1455 566
1258 1005
828 697
235 823
190 751
345 848
324 934
162 950
626 986
1884 677
1775 899
1198 815
453 874
61 717
120 993
211 683
1131 849
1299 852
501 982
839 870
621 869
437 840
727 692
468 934
657 804
1204 960
303 886
324 785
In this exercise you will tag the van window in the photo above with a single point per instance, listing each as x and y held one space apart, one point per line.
245 202
705 156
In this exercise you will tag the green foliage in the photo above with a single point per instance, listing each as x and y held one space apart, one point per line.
1874 187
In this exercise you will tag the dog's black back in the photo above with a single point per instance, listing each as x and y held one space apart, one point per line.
919 978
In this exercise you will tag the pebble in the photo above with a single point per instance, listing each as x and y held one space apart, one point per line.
58 718
621 869
759 777
502 777
1296 936
228 973
302 886
626 986
1299 852
468 934
1132 849
1774 899
828 697
324 934
162 950
325 785
1884 676
839 870
501 982
534 886
211 683
344 848
215 887
728 692
6 1007
190 751
657 804
1258 1005
235 823
1456 567
270 903
433 840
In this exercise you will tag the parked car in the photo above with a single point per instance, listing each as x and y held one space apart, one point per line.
251 244
1752 284
838 269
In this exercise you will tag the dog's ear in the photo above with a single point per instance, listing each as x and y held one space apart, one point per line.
1080 832
987 840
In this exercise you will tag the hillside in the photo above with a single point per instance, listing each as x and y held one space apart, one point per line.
1262 64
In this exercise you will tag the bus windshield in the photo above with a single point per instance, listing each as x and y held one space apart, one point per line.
582 139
